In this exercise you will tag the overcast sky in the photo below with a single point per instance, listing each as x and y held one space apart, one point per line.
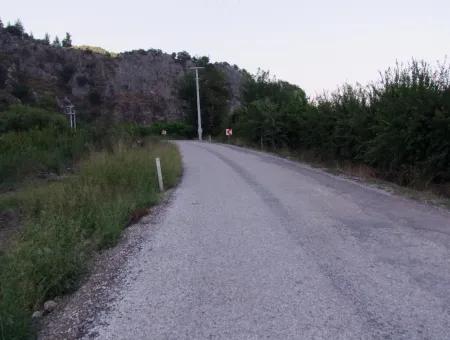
316 44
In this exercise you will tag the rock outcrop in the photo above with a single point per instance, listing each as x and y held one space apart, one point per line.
137 86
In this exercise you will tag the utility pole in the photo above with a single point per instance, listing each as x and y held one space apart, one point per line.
199 115
70 111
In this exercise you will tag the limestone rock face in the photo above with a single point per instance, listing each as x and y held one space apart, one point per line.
137 86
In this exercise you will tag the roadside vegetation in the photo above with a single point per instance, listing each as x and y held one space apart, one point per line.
36 142
65 194
214 96
72 194
396 129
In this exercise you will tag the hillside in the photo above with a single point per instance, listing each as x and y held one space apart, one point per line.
139 85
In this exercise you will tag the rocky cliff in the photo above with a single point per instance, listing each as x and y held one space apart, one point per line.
139 85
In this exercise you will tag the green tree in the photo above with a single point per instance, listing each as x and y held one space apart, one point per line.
214 97
19 26
17 29
47 39
56 42
67 41
183 57
271 112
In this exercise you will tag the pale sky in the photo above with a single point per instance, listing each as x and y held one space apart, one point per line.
317 45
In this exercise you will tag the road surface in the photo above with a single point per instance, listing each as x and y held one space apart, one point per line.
254 246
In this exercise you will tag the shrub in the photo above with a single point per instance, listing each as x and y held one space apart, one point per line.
95 98
399 126
21 91
35 140
24 118
16 29
34 152
173 129
67 73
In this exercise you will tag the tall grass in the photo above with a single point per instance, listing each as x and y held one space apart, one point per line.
35 141
67 220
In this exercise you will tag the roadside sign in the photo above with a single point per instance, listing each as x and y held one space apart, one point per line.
228 132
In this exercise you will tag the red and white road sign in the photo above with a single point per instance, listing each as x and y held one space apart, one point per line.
229 132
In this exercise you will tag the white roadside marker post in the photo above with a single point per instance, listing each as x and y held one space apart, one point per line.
160 179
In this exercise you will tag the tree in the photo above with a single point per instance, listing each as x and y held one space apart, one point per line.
201 61
183 57
19 26
1 24
56 42
67 41
47 39
214 98
272 110
16 29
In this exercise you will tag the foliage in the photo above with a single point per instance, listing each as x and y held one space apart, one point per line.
173 130
399 126
47 39
95 97
183 57
67 41
34 141
214 96
271 110
17 29
21 91
56 42
67 220
24 118
67 73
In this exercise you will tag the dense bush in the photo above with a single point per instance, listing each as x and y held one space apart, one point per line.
24 118
271 111
38 151
400 126
17 29
34 141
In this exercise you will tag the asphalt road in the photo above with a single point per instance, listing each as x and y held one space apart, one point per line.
254 246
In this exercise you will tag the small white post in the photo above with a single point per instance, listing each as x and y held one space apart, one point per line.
210 138
160 179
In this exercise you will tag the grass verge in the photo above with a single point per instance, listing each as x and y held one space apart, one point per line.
66 220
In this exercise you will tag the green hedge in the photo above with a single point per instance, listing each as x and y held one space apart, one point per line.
400 126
